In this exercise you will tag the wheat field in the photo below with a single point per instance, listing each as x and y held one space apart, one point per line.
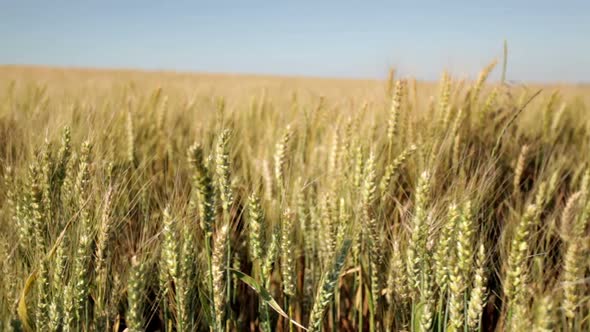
160 201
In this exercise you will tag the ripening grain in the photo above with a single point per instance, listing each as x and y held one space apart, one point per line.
177 202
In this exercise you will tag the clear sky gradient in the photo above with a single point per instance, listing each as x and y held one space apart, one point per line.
548 40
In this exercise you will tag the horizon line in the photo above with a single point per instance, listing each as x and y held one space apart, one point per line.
264 75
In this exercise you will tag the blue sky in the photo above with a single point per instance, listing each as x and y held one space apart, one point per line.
548 40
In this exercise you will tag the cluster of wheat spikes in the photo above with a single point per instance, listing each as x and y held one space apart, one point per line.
462 207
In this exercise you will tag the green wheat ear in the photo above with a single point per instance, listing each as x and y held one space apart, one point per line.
76 293
573 262
170 246
544 315
444 107
517 269
519 169
135 295
396 100
255 227
280 157
219 270
327 286
483 76
393 168
203 183
478 291
287 251
416 251
104 232
222 169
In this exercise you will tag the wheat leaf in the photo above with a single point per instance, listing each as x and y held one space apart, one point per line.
264 295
